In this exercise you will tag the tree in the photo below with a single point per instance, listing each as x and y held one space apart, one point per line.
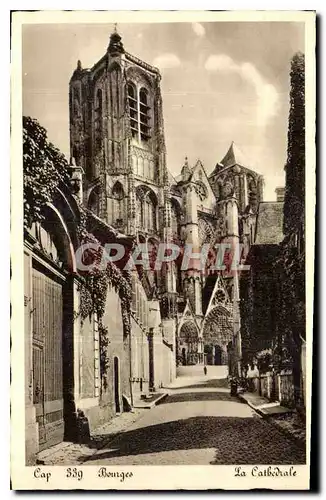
292 259
44 167
294 201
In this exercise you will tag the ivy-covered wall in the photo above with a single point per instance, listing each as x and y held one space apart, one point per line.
258 304
273 292
99 307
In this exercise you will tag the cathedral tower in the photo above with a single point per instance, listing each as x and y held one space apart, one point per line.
117 136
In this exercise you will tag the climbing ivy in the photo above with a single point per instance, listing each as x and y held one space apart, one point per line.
94 287
44 168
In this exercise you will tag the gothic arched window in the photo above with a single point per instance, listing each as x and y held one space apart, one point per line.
175 218
94 201
139 110
150 212
117 204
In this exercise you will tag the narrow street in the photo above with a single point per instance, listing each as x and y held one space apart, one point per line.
199 423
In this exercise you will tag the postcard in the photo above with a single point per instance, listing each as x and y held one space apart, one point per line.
163 204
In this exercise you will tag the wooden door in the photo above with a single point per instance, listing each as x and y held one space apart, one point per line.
47 358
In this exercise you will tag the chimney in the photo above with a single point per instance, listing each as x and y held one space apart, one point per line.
280 191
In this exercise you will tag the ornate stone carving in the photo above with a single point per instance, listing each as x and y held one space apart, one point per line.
201 190
139 76
228 189
205 230
219 297
141 153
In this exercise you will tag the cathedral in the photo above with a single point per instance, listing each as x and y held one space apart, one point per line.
117 138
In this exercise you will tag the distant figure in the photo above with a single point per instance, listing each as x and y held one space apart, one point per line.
205 370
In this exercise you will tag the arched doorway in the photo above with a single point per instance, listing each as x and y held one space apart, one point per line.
188 341
217 334
116 384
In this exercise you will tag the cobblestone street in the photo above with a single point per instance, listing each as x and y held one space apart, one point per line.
199 423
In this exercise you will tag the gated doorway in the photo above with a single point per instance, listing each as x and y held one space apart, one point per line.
116 385
47 357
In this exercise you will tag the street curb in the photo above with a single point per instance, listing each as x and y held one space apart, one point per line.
255 408
148 406
273 421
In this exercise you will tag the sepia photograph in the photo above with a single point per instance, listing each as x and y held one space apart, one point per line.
163 186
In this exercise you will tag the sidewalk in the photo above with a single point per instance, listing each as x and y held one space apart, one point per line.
67 453
286 419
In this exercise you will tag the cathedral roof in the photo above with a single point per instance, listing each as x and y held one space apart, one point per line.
234 156
269 226
172 179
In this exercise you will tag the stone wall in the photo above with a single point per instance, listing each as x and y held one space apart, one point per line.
140 360
275 387
105 408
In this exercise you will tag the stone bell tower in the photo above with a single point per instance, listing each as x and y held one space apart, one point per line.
117 137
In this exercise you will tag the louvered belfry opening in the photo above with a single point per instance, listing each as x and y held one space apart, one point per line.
140 112
144 112
133 109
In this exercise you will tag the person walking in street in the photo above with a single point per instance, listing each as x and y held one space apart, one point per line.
205 370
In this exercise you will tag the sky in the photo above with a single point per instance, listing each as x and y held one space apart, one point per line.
221 82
